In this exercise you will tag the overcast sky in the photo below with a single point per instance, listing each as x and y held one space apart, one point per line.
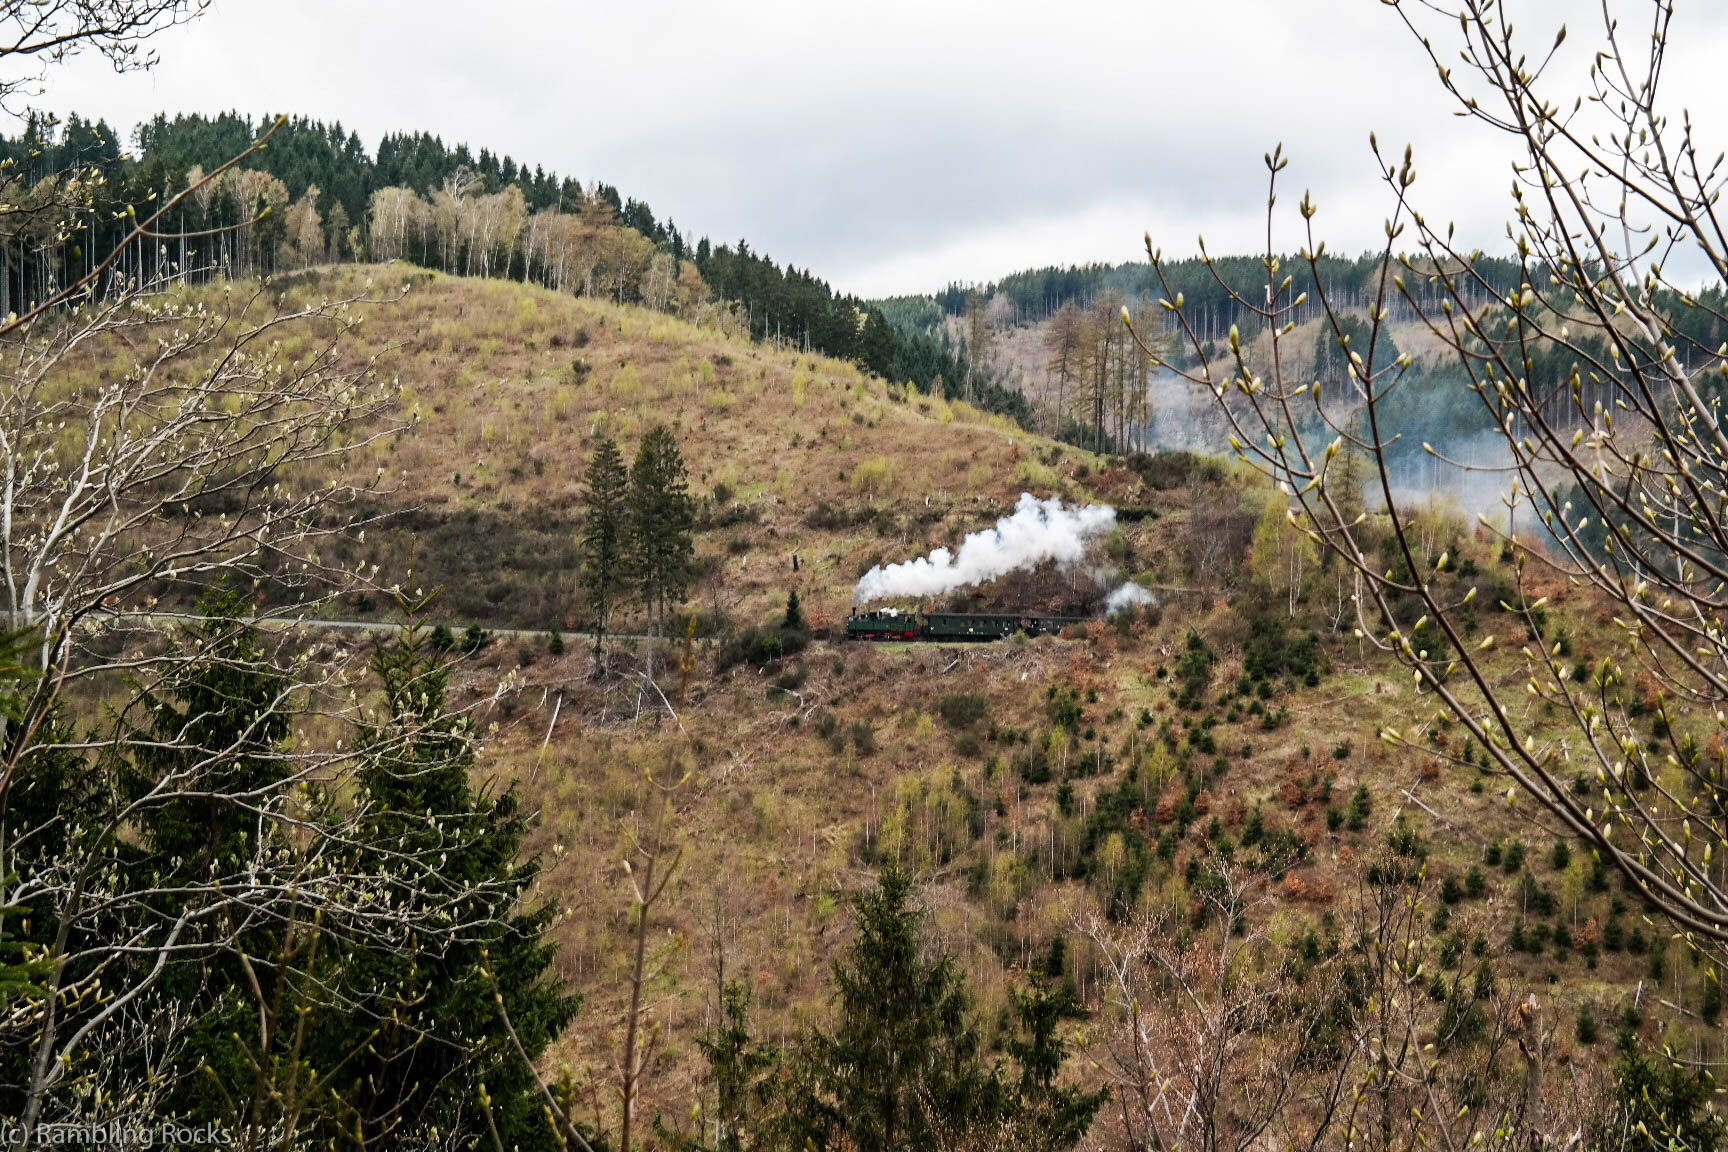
895 146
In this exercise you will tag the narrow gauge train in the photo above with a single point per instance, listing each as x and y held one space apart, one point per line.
893 624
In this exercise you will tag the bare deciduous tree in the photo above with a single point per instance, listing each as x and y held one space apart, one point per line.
1204 1051
46 32
1386 1039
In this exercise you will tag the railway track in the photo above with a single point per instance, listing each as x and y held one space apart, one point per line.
311 623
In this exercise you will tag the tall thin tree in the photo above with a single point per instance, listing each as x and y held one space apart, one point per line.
660 546
606 504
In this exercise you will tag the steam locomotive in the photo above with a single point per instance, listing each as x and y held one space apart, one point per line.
892 624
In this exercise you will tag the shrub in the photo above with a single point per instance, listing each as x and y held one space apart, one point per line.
1254 828
963 709
874 476
563 403
1360 805
760 646
626 384
1194 671
828 518
1404 840
1167 470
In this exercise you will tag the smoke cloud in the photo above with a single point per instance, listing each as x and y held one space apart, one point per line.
1038 530
1127 596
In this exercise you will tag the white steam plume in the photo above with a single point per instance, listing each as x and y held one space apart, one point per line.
1038 530
1127 596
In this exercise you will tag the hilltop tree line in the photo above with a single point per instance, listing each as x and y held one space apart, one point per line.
1206 284
316 195
1212 301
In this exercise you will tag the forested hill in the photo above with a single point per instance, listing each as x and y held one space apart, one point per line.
1055 336
1218 293
1037 293
315 195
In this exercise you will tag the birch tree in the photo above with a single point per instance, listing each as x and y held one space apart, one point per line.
303 232
395 215
1284 556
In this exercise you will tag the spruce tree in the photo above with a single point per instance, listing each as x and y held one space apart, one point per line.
794 621
660 525
739 1066
902 1063
21 967
55 810
1669 1105
212 728
606 516
196 768
1046 1115
203 770
429 1029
